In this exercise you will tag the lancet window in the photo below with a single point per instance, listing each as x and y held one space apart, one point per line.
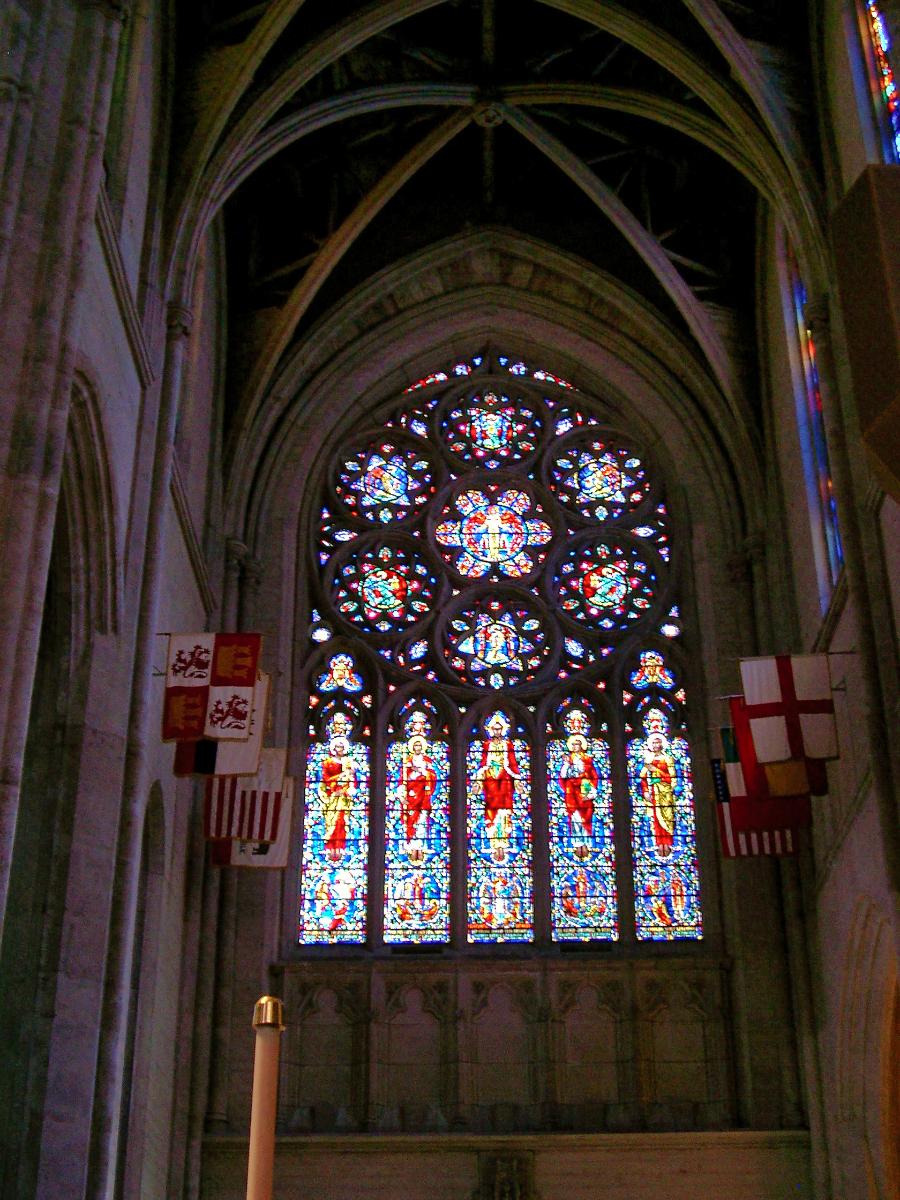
814 446
878 19
497 745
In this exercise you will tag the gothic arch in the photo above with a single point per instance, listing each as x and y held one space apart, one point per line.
518 291
88 507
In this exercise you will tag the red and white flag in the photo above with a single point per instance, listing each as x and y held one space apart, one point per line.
790 707
753 820
209 686
247 807
740 831
207 757
274 854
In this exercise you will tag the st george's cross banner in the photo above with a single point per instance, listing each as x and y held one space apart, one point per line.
209 686
790 706
274 855
204 756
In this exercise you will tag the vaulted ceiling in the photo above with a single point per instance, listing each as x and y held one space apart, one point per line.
339 138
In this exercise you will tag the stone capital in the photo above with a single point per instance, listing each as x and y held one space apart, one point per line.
235 554
179 320
113 10
818 317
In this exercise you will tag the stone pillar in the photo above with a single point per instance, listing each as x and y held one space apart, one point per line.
59 59
108 1117
242 583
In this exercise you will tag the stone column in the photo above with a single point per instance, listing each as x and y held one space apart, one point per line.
108 1118
59 60
242 583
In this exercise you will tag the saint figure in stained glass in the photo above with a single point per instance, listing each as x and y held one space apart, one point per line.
417 842
652 672
341 675
494 646
663 832
494 533
499 823
582 857
335 843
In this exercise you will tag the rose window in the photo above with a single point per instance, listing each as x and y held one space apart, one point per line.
497 713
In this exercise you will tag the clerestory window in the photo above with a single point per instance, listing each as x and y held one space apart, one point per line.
497 745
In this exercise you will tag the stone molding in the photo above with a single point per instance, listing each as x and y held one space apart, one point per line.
112 254
192 545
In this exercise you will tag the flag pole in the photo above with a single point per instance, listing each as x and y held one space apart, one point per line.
268 1021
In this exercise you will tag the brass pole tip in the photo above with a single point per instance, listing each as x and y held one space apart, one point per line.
268 1013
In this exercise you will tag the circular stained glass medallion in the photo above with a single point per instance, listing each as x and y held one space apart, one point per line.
497 643
495 531
490 429
607 584
386 481
384 588
598 477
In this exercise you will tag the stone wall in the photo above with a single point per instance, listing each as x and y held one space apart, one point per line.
739 1166
498 1047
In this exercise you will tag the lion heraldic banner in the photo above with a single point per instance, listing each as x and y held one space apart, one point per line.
209 686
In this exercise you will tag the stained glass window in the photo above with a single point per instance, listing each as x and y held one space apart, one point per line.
493 644
885 81
607 584
498 789
385 482
384 587
660 785
582 838
491 551
597 477
491 429
814 446
336 836
417 830
493 533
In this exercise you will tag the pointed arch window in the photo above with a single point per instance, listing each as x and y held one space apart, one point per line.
497 734
878 19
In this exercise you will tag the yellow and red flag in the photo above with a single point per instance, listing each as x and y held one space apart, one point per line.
210 678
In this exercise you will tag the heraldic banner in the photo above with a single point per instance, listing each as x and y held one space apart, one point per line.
209 686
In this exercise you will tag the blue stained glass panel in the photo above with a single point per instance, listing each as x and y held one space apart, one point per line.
491 430
417 837
498 791
663 834
335 840
582 849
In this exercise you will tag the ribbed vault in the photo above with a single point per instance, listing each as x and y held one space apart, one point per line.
337 140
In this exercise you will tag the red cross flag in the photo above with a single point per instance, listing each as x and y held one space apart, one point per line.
790 707
247 807
209 686
274 854
207 757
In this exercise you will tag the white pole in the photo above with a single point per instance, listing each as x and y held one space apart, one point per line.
268 1021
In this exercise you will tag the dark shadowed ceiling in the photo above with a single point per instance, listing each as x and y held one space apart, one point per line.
596 98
